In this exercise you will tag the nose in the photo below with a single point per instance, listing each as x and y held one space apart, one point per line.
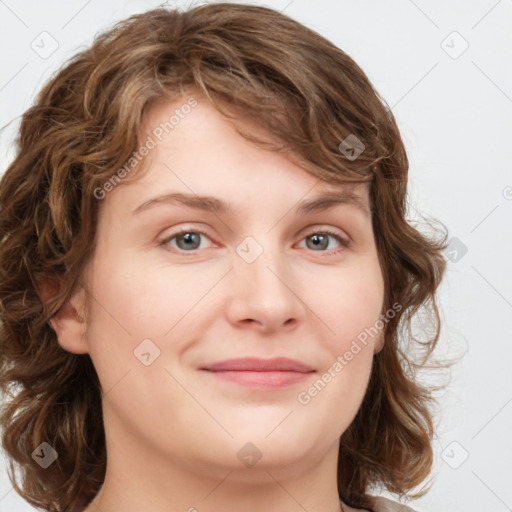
265 293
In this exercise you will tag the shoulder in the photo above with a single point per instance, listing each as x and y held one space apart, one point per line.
381 504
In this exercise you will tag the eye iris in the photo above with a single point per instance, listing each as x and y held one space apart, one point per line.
189 237
319 240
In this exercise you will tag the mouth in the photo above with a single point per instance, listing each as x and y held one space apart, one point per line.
260 373
261 379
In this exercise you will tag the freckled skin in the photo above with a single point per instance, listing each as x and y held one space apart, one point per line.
174 433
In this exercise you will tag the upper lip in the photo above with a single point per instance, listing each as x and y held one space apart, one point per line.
259 365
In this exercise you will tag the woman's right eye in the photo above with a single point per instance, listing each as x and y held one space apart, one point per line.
186 240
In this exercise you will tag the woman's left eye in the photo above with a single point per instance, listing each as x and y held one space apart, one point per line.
318 241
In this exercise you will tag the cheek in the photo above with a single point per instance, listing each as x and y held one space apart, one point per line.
351 307
129 351
144 300
134 302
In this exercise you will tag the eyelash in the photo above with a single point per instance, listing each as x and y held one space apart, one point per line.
344 243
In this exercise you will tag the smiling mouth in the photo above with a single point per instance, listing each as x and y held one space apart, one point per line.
256 372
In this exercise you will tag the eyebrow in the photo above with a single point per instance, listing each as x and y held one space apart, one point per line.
218 206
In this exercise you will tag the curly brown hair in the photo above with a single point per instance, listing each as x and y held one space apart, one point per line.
84 126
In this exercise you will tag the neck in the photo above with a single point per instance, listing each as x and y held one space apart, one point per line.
140 477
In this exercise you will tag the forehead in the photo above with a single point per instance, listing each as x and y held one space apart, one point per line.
191 145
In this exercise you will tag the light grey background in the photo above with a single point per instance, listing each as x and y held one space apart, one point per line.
454 108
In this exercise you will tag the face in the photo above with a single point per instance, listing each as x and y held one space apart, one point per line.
176 286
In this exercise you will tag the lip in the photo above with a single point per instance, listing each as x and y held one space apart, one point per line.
260 373
254 364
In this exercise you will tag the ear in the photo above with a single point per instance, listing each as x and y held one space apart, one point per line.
378 342
68 322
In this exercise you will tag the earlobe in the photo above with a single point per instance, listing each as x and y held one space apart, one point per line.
68 322
378 344
70 329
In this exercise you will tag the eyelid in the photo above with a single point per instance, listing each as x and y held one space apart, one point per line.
320 228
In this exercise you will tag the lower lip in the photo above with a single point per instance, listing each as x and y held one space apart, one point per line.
269 380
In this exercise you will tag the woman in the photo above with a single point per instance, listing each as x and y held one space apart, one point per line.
206 270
